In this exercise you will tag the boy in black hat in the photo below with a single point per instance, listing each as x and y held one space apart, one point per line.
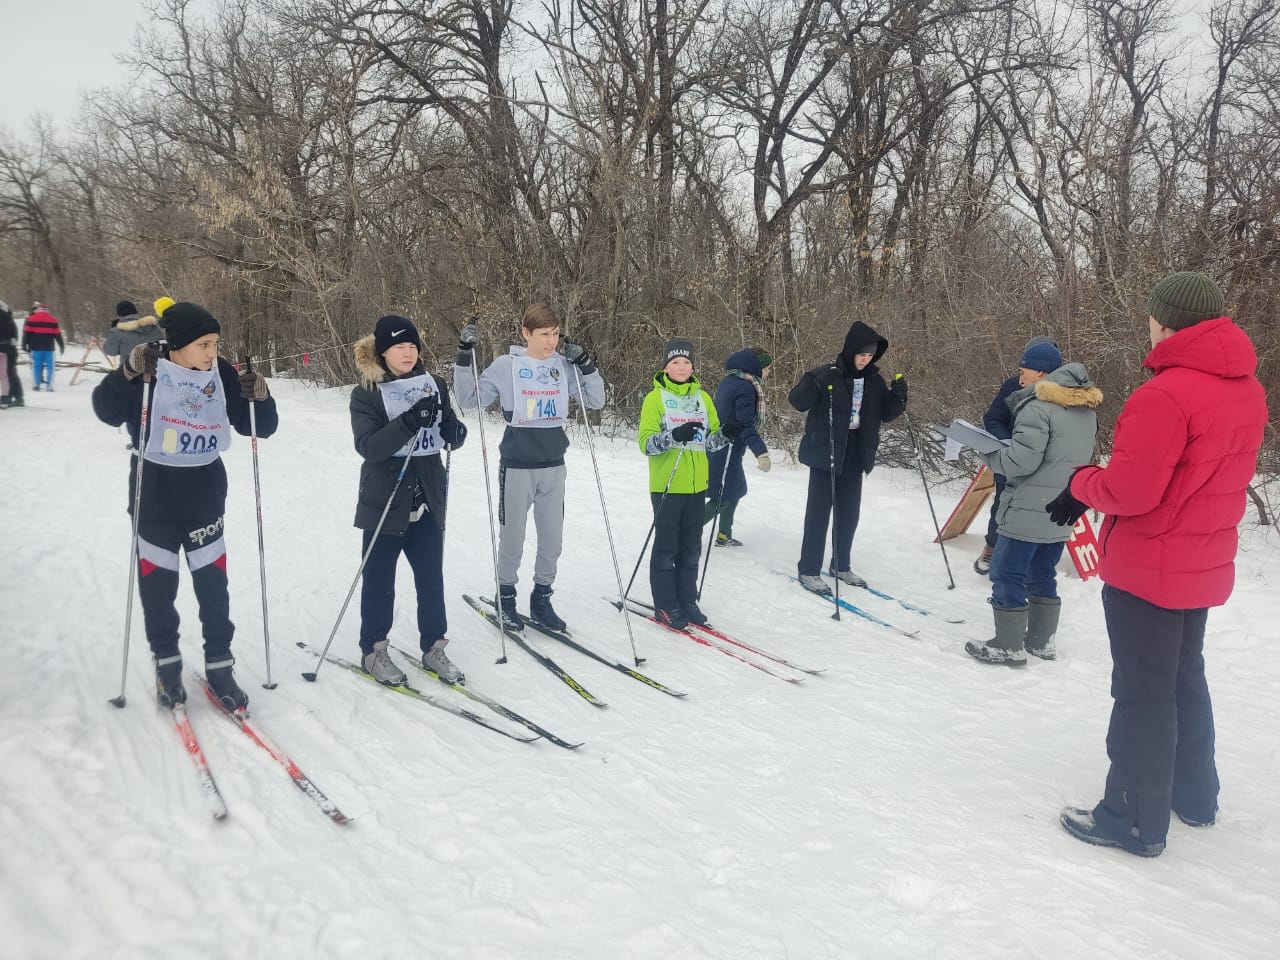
196 402
400 410
846 402
679 426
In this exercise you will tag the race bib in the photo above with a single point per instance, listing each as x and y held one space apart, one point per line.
677 410
540 390
189 425
855 407
398 396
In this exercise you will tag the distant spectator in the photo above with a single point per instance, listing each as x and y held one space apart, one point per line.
128 330
39 334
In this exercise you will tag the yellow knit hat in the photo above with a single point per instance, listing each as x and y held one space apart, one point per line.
161 305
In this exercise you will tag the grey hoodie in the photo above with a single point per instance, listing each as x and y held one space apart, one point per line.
524 447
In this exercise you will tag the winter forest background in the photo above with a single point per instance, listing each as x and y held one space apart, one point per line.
961 174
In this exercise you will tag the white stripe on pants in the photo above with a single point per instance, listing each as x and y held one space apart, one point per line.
518 489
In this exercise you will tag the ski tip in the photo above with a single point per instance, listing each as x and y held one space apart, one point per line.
309 677
117 702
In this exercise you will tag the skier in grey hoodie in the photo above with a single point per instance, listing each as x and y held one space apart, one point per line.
533 384
128 330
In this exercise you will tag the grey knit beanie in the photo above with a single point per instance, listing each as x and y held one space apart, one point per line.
1184 299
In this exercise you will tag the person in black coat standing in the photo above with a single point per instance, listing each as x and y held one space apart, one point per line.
400 410
12 395
846 402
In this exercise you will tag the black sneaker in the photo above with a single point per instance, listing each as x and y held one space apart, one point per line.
671 618
693 614
1081 825
510 616
223 684
169 689
540 608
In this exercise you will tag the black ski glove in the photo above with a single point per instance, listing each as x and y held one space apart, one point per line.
828 377
1064 508
899 388
469 336
576 353
253 385
732 430
423 413
685 432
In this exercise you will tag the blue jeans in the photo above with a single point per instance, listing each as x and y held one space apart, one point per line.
42 360
1019 568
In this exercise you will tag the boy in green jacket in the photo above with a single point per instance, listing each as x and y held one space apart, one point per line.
678 428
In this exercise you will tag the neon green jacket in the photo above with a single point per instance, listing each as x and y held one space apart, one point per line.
691 477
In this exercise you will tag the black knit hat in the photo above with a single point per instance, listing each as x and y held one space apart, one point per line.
678 347
185 323
393 329
1183 299
125 310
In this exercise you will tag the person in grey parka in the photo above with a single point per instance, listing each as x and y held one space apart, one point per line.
1054 426
128 330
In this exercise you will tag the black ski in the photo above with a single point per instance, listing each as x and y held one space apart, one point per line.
567 639
494 705
416 694
515 637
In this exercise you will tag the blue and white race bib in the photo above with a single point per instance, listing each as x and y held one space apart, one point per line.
540 392
189 426
399 395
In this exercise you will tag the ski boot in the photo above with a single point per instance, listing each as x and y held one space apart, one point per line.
437 661
169 689
510 615
540 608
378 664
223 684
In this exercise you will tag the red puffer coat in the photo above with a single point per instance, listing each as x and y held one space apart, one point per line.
1186 446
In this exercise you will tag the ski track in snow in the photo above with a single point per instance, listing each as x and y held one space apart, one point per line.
904 804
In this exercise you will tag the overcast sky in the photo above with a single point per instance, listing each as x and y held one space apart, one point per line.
53 50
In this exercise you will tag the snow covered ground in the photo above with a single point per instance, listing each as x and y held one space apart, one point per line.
903 804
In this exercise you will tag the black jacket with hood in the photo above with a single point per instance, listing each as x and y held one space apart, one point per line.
378 439
879 405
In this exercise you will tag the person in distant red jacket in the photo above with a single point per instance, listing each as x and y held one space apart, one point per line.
39 334
1186 446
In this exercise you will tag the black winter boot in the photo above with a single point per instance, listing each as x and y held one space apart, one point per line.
540 608
169 688
223 684
507 599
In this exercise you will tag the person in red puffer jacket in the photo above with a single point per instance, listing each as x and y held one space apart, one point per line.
1186 446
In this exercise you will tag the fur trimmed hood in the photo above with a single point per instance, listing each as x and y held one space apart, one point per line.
1069 386
139 324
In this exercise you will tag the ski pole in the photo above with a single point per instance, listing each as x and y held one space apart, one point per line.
831 445
604 509
262 555
488 492
715 527
658 510
311 677
925 483
133 548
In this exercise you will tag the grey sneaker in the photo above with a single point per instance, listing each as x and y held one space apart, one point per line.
437 661
381 667
847 576
815 584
